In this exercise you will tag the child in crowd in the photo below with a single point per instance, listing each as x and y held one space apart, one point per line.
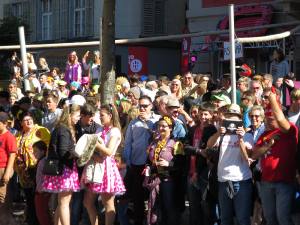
41 198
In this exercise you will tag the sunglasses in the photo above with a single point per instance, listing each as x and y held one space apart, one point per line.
255 88
264 97
144 106
256 116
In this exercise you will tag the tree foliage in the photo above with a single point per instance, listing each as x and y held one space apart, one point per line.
9 33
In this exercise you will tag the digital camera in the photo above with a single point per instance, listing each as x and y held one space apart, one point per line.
232 125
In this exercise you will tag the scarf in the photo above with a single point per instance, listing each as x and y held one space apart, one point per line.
104 132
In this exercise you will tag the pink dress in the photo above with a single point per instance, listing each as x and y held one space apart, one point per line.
67 182
112 181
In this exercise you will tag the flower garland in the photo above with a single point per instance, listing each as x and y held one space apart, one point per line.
160 145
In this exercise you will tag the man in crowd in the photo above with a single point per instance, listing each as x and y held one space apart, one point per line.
86 125
8 150
277 148
188 84
137 139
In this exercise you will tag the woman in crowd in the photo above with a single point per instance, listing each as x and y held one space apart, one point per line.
279 66
257 89
55 73
62 145
257 128
73 70
164 159
26 162
176 90
43 65
93 67
111 183
13 89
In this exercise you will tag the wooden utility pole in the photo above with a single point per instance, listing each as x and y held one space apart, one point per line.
107 49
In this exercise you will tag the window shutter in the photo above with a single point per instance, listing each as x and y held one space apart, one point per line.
148 18
89 18
7 10
25 12
153 17
159 17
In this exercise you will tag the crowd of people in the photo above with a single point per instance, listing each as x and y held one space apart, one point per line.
161 144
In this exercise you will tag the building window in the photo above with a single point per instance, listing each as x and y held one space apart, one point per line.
79 18
17 10
46 19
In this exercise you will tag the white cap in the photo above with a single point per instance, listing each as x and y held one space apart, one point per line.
77 100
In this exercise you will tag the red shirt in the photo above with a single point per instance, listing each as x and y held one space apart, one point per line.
279 164
8 145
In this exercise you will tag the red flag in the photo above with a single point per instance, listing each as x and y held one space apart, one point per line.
137 60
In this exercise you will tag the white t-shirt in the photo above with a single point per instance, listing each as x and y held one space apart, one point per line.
232 166
113 132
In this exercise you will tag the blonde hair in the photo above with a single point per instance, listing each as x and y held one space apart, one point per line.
203 86
178 94
65 118
295 94
125 105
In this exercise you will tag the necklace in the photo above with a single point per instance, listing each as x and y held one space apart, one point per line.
160 145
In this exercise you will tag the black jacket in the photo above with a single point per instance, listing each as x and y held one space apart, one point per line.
79 131
62 145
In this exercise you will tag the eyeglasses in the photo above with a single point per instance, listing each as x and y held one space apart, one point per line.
144 106
26 120
162 125
256 116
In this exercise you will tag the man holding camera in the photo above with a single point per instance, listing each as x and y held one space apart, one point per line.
234 175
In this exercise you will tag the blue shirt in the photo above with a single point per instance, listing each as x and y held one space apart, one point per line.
246 118
179 130
137 139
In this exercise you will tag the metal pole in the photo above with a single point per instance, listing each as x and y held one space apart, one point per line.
100 46
24 57
232 53
168 37
283 46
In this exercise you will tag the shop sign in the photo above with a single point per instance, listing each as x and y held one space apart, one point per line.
238 50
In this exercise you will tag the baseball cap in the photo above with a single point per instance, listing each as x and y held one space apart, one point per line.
61 83
173 102
77 100
221 97
75 84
